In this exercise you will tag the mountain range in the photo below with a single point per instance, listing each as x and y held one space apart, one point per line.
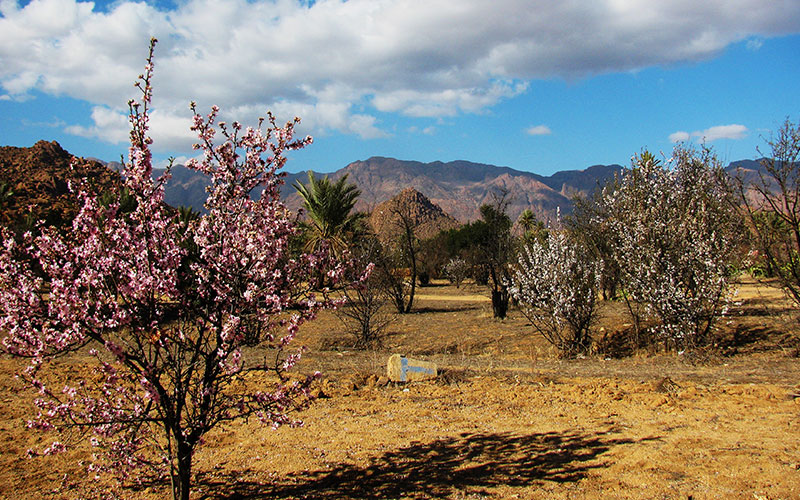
38 176
458 187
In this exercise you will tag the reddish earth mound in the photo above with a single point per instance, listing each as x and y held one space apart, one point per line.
427 218
36 182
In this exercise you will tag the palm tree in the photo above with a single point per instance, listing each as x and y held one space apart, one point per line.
527 220
329 206
532 228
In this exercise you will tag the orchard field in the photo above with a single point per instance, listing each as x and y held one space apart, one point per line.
506 418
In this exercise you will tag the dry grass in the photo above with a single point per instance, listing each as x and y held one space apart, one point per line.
506 419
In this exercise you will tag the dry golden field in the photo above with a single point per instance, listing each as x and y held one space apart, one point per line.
506 418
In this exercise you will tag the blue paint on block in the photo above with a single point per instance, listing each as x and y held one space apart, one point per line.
404 369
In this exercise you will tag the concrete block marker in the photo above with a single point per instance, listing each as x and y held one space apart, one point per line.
402 369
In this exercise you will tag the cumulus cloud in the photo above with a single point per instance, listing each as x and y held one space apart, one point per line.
722 132
340 64
109 125
538 130
733 131
679 136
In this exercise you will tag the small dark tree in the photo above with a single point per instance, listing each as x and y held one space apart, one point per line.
398 262
432 259
486 245
456 270
496 249
364 313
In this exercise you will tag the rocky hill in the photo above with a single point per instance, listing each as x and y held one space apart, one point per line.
34 182
426 217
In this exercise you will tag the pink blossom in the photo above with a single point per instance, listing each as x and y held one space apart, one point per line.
173 320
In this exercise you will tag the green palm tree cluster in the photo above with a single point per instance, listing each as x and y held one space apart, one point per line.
532 228
329 206
527 220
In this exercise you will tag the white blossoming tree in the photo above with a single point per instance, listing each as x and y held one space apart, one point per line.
672 227
556 286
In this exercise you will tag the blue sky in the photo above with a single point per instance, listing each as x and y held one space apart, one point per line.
537 86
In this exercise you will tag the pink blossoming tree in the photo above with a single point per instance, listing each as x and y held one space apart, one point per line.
177 317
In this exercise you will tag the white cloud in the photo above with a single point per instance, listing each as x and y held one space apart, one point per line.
339 63
109 125
679 136
448 102
538 130
54 123
733 131
722 132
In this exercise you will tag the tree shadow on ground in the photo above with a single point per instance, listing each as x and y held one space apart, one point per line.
617 343
446 309
762 308
741 336
434 285
750 339
468 462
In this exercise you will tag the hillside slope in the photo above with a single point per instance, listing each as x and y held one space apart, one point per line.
37 182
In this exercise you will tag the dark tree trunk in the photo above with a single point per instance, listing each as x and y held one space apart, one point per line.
500 303
181 485
413 286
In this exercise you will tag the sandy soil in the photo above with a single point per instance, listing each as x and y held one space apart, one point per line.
506 418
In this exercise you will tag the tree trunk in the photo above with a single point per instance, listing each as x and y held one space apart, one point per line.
182 484
413 289
500 302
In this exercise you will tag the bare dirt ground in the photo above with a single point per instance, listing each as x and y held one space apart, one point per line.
505 419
